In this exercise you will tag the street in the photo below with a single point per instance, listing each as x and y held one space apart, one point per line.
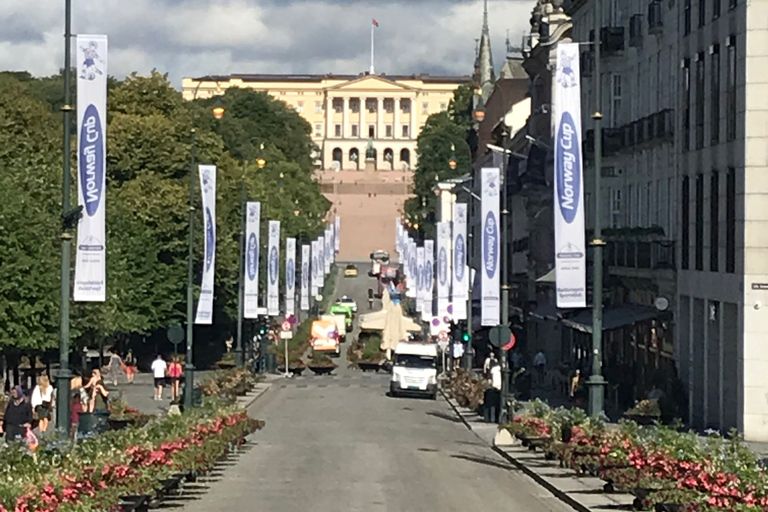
338 443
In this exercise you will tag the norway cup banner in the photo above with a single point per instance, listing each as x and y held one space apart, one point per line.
328 240
91 258
306 257
443 268
314 265
321 248
399 238
429 279
251 263
204 314
418 279
460 288
290 276
337 235
491 238
413 279
273 269
570 244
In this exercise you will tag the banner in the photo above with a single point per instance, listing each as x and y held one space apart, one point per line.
328 240
443 268
305 277
337 236
399 238
429 281
273 269
208 188
290 276
314 267
489 284
460 286
570 244
418 279
251 263
321 248
413 278
91 257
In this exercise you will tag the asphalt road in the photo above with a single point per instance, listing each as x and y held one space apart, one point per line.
339 444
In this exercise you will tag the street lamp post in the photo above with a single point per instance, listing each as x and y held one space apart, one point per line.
64 375
596 382
504 412
189 367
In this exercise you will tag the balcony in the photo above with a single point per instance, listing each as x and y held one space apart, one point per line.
636 30
586 63
611 40
641 254
655 21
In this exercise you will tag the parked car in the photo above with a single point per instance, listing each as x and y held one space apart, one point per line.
350 271
348 301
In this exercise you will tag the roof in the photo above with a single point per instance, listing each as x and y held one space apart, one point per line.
417 349
513 68
315 78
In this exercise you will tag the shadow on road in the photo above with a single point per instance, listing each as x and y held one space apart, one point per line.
485 462
444 416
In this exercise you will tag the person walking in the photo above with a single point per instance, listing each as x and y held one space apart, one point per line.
42 402
175 371
95 388
130 366
540 363
18 415
115 366
159 370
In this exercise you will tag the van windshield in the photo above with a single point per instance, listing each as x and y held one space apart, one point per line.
414 361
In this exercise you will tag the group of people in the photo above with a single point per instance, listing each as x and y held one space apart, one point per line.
167 373
23 412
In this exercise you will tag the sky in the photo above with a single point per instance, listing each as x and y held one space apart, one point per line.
199 37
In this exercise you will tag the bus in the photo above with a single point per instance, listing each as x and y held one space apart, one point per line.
378 258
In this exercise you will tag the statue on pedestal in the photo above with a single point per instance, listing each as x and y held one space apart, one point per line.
370 153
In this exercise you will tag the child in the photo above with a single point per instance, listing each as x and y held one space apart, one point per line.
30 439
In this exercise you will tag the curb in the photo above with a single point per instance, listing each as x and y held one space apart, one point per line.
562 496
258 393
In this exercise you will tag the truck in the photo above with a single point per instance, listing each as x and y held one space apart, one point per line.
414 370
345 310
325 335
341 327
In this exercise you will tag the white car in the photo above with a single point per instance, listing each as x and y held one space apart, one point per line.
348 302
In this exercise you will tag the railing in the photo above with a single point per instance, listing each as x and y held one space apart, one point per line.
652 255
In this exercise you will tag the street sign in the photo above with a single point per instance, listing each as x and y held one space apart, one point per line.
510 344
500 335
286 326
286 335
443 345
175 334
443 336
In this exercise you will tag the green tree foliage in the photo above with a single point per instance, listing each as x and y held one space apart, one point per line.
148 172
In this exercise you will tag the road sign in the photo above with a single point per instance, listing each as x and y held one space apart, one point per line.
286 335
443 336
175 334
443 345
286 326
510 344
500 335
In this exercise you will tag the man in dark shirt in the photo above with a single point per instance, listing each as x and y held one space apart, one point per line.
18 415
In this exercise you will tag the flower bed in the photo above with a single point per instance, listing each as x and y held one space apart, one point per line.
467 388
93 474
659 465
229 384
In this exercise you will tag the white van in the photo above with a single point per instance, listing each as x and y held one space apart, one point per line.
414 371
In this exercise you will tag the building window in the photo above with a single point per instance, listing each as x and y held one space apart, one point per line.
389 105
731 4
371 131
730 99
318 129
406 130
354 105
714 114
355 131
686 17
405 106
686 104
700 107
631 206
616 208
714 222
685 226
702 13
300 107
730 221
699 220
716 9
318 107
370 105
389 130
649 204
615 100
337 130
425 108
443 107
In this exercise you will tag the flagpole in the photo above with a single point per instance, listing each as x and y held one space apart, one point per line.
372 48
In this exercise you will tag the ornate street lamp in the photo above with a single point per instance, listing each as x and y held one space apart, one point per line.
218 109
452 162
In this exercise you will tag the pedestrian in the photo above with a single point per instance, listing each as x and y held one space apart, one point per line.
489 362
575 388
458 353
175 371
159 369
18 415
95 388
42 402
75 408
130 366
115 366
540 363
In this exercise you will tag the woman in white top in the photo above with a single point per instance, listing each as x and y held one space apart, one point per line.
42 402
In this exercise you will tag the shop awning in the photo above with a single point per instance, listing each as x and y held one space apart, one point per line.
549 277
613 318
550 312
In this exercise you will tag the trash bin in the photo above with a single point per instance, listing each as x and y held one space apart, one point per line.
96 422
271 363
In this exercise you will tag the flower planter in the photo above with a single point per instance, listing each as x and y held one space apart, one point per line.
135 503
322 370
668 507
369 366
297 370
225 365
642 419
119 423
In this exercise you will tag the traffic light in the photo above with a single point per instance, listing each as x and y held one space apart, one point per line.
262 326
466 337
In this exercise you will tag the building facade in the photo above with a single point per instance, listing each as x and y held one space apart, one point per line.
346 111
684 103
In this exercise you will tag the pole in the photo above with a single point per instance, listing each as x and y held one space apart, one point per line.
596 382
373 28
286 356
468 348
64 375
189 367
504 413
239 347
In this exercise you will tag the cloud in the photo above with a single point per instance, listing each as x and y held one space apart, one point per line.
200 37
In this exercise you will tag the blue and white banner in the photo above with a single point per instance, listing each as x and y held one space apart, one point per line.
443 268
413 278
418 279
489 283
429 281
460 288
208 188
399 238
328 241
321 248
314 268
251 264
290 276
570 244
337 236
91 258
306 258
273 269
